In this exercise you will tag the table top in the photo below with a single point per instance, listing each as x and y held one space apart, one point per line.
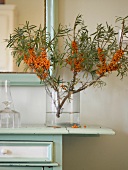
88 130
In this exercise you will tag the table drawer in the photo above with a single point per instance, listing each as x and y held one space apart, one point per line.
26 151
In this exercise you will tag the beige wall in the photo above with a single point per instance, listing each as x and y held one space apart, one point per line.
107 106
29 10
93 11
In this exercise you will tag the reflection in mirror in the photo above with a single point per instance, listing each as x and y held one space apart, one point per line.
12 14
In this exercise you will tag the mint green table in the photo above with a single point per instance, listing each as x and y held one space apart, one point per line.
38 148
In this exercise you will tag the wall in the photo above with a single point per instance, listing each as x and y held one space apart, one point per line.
31 103
30 10
106 106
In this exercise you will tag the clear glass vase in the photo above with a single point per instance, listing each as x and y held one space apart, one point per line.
9 118
69 113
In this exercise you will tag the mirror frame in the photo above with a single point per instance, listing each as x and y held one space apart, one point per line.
51 22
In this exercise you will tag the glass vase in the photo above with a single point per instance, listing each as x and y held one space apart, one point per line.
69 113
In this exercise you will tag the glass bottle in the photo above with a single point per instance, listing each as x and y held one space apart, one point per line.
9 118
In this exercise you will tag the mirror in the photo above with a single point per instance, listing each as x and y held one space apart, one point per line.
12 14
34 12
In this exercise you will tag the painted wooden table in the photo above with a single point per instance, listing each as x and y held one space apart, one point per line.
38 148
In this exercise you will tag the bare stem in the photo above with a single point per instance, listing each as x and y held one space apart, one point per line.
122 32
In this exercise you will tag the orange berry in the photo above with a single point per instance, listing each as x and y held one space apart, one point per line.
75 126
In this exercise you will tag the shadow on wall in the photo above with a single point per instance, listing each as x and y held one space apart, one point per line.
96 153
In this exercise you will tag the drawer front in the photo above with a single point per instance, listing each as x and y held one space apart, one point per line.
26 168
26 151
20 168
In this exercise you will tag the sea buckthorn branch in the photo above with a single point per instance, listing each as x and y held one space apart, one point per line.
75 59
109 37
78 21
28 37
73 82
60 104
88 84
87 57
104 66
39 64
105 38
112 66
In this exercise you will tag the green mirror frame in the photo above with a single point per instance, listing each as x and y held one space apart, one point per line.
30 79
